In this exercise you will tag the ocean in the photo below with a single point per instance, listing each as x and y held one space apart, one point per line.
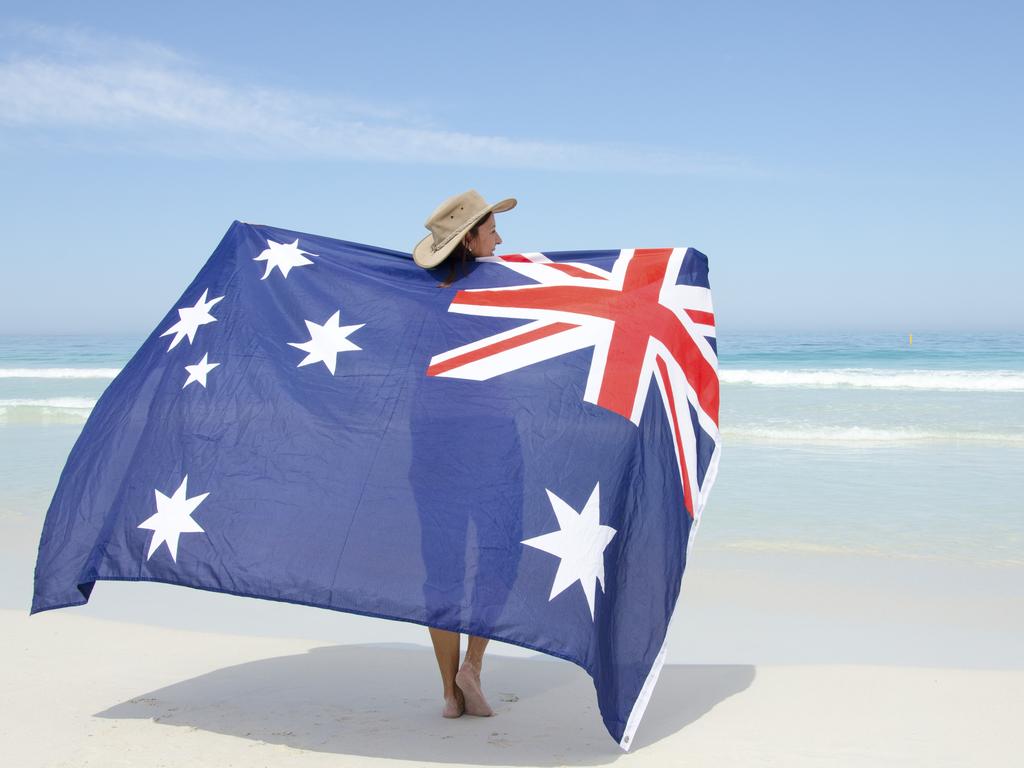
835 446
873 443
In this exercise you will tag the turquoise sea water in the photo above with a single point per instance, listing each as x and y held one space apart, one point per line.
841 442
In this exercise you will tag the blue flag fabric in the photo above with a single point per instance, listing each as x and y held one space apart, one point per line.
524 455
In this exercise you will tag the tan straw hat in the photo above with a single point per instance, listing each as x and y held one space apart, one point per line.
449 223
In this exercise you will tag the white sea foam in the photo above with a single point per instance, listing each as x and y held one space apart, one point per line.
936 552
828 435
58 373
77 403
54 410
878 378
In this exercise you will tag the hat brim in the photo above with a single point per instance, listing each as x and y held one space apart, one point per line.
424 254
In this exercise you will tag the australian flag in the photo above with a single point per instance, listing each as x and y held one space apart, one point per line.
524 455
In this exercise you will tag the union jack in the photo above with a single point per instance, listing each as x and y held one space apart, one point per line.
645 318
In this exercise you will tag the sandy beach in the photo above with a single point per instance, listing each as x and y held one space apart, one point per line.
783 669
83 691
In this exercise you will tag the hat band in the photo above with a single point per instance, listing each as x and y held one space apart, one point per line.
435 247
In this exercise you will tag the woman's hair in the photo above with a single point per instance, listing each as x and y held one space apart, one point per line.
460 254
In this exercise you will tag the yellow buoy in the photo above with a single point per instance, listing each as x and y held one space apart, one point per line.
911 339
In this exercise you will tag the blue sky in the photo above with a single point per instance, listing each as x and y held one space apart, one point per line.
844 165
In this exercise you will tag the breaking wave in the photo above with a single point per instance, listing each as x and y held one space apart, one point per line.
55 410
879 378
59 373
824 435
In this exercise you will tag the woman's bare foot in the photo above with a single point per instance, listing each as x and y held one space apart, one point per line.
454 706
468 679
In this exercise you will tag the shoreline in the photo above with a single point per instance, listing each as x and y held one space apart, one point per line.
735 606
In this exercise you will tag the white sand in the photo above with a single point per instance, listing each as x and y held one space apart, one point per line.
80 691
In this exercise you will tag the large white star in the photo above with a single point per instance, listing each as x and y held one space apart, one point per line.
173 518
579 544
189 320
284 256
198 372
326 341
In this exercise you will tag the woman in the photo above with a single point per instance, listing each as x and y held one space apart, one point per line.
462 229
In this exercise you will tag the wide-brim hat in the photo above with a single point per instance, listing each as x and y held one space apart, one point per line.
450 222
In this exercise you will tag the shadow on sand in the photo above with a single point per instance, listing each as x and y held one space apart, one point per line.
384 701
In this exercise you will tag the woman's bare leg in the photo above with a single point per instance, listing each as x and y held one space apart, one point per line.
446 649
468 678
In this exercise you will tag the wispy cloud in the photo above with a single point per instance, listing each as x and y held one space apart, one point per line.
154 98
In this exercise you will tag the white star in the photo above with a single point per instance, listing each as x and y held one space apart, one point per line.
198 371
173 518
189 320
580 545
326 341
284 256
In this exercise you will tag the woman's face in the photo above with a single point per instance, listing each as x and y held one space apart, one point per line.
486 239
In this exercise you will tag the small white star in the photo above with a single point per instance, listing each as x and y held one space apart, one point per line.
189 320
326 341
284 256
579 544
198 372
173 518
